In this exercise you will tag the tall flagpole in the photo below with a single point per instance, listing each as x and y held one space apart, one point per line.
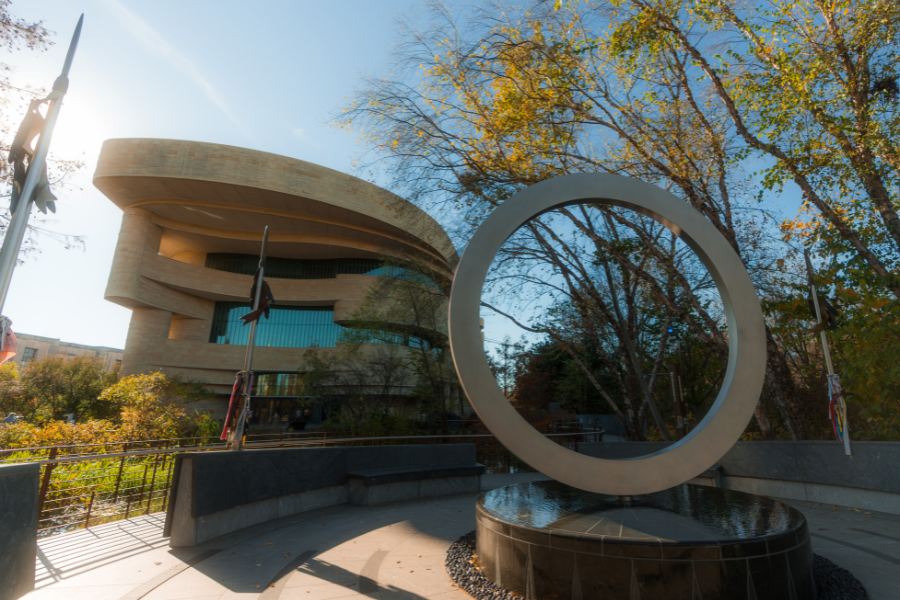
844 425
235 440
19 221
248 357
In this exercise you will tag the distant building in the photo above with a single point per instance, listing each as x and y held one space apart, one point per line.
189 244
35 347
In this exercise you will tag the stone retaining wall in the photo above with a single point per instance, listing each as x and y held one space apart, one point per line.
216 493
811 471
18 528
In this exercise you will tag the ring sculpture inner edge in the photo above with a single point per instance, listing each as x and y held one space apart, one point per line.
730 413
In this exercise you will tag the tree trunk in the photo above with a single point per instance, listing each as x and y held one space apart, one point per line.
783 388
765 427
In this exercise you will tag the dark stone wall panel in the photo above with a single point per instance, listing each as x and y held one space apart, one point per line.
620 450
386 457
224 480
18 528
875 465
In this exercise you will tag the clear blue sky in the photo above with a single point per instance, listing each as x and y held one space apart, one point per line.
264 75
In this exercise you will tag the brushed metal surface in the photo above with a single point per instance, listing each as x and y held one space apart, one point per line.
741 387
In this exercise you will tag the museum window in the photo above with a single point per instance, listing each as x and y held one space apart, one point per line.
286 327
28 355
370 336
296 327
278 384
303 268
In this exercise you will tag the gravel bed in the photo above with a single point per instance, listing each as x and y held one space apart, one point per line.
834 583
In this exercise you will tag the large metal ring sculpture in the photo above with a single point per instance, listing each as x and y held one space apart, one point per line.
726 420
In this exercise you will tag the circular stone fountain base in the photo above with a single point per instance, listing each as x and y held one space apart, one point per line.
547 541
833 582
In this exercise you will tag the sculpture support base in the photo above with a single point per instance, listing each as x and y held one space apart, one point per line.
544 540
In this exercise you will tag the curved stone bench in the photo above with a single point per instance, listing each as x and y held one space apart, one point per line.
381 486
214 493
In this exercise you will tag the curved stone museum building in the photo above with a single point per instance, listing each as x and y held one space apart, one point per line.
193 219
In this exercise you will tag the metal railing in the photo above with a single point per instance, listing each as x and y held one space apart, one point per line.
80 490
92 484
14 455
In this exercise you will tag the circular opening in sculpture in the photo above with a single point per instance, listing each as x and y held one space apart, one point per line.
598 317
742 381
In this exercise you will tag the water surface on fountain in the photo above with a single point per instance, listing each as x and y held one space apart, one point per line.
684 513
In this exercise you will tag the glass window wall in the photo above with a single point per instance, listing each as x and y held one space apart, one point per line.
286 327
297 268
277 384
296 327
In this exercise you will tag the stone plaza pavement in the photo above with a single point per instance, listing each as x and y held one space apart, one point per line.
393 552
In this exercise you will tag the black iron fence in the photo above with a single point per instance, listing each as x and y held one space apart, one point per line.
85 486
91 484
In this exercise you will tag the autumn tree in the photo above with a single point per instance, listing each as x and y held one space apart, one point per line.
359 385
507 99
863 343
811 86
506 362
546 373
152 406
53 388
395 360
536 378
407 309
11 397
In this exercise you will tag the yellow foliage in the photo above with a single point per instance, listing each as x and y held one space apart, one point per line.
57 433
151 408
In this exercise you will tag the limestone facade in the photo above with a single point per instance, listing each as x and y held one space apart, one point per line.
32 348
183 201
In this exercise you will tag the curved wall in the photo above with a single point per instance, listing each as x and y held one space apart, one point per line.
215 493
184 200
814 471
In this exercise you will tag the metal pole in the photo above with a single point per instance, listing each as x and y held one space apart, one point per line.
238 431
143 486
87 519
828 365
115 497
45 482
19 221
168 486
248 357
825 350
152 485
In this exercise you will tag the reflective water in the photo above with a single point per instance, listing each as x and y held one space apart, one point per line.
683 513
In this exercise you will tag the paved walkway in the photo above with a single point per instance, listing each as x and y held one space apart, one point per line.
391 552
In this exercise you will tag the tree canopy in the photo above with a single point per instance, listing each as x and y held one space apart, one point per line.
724 104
